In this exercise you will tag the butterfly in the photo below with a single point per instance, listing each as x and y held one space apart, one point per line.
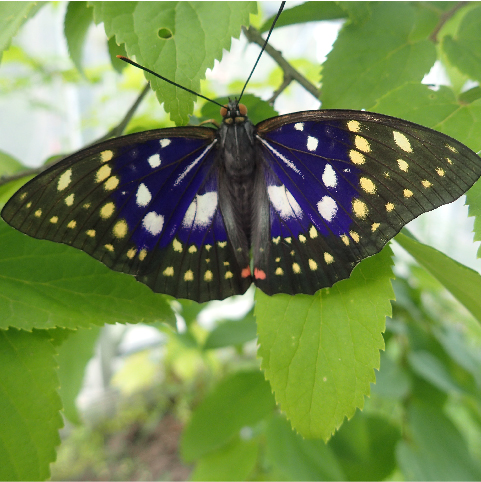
306 195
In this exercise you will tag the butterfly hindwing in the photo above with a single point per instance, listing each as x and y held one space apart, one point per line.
341 184
144 204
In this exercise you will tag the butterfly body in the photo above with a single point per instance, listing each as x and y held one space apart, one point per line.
307 195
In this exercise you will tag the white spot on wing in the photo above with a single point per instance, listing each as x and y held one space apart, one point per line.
153 223
284 202
154 160
281 157
329 177
299 126
143 195
164 142
312 143
327 208
201 210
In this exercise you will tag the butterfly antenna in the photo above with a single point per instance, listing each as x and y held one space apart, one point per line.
263 48
135 64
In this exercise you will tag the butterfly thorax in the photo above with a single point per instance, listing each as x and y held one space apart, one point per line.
237 162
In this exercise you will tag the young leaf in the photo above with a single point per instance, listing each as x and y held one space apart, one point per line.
319 352
77 22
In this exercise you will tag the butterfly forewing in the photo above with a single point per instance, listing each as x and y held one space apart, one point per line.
342 183
144 204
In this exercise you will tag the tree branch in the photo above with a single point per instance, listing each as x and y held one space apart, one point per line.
115 132
444 18
290 72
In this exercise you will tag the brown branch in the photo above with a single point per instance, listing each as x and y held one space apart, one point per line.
443 19
114 132
290 72
285 83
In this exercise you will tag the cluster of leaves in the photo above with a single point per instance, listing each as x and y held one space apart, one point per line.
318 352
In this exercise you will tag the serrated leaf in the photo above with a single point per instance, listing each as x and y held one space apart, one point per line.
199 31
45 285
370 59
77 22
307 12
12 16
464 49
73 355
358 12
319 352
115 50
435 450
29 405
297 458
241 400
235 461
462 282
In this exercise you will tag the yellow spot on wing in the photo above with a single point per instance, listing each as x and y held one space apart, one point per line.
313 232
367 185
354 236
208 276
69 199
360 209
403 165
72 224
276 240
106 156
131 253
28 205
278 259
440 171
345 239
207 247
192 249
54 219
451 148
107 210
64 180
356 157
177 246
449 160
374 226
302 238
120 229
312 265
142 254
169 271
109 247
407 193
362 144
389 207
23 196
353 126
222 244
296 268
426 183
228 275
402 141
328 258
103 173
279 271
112 183
38 213
90 233
189 275
288 240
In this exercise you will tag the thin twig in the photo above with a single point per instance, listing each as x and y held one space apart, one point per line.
285 83
253 35
114 132
444 18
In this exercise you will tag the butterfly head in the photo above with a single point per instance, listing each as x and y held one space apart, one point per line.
233 112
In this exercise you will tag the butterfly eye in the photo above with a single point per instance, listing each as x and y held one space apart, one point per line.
242 109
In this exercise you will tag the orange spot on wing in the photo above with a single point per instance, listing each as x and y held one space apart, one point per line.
259 274
246 272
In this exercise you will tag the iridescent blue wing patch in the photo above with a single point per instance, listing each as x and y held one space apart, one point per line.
341 184
144 204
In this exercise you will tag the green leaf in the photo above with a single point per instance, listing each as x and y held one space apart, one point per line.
297 458
464 50
463 282
438 110
77 22
473 198
232 332
435 450
9 165
365 446
392 381
73 356
358 12
198 33
319 352
115 50
307 12
12 16
370 59
29 405
45 285
234 461
241 400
